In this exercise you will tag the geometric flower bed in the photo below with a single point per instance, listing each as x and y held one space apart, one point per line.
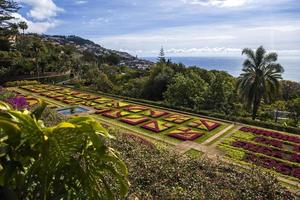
117 104
99 110
136 109
134 119
154 113
132 114
115 114
178 119
276 165
185 133
204 124
272 134
31 101
269 149
102 100
157 126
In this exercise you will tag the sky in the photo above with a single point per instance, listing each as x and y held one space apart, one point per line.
182 27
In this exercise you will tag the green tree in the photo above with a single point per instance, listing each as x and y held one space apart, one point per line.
68 161
103 83
260 78
159 78
37 48
161 56
23 26
221 94
185 90
290 90
294 108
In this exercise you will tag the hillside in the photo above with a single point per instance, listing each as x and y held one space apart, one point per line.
87 45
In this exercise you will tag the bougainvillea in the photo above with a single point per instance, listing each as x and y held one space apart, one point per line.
178 119
204 124
157 126
185 133
134 119
18 102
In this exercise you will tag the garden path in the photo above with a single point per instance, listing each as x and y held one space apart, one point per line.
217 135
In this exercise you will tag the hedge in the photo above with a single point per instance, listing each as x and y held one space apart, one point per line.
21 83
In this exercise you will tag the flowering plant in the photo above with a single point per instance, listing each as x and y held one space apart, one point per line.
18 102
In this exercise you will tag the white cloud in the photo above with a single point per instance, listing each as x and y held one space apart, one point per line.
217 3
208 39
41 15
36 27
79 2
42 9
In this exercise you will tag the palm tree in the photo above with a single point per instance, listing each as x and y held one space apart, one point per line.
23 26
260 78
68 161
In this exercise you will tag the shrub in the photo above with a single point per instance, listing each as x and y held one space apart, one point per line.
159 174
21 83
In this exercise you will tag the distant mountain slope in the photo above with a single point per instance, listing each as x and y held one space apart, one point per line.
87 45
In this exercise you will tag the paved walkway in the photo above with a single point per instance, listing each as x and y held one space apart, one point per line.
217 135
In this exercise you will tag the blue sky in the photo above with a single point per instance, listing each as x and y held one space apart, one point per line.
183 27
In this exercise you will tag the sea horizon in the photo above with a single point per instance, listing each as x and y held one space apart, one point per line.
232 65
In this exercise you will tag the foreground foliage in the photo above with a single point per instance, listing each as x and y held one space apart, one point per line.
68 160
155 173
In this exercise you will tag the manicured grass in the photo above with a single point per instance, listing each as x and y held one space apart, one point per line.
194 153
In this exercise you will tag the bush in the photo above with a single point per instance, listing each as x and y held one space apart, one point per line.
159 174
21 83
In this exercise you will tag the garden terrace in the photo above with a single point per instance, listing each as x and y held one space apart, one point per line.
205 135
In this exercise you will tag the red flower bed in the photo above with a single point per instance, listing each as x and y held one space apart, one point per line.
134 119
275 143
278 166
269 151
157 126
272 134
296 148
184 133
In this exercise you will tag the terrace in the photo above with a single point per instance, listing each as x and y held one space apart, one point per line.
277 152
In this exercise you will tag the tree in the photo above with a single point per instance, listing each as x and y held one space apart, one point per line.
68 161
294 108
103 83
290 90
37 48
23 26
260 78
7 8
185 90
161 57
159 78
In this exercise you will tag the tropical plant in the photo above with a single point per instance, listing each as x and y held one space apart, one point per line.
23 26
70 160
260 78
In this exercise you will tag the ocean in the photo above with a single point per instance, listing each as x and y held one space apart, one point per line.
233 65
